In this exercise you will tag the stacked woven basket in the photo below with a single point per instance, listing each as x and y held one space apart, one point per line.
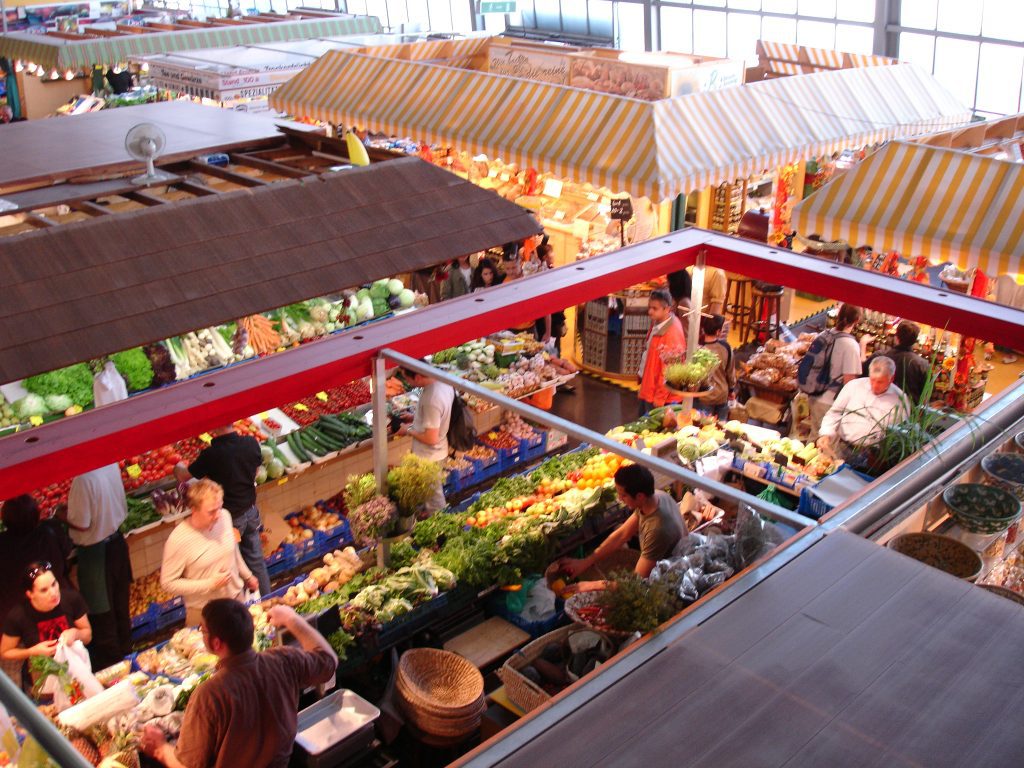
440 693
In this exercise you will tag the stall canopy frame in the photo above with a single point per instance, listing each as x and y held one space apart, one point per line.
622 143
153 273
102 47
946 204
67 447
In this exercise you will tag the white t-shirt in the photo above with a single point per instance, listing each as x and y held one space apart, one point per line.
860 416
96 501
434 410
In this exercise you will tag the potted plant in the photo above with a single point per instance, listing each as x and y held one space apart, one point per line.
689 374
410 484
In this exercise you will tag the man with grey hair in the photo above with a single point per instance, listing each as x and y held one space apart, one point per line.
862 410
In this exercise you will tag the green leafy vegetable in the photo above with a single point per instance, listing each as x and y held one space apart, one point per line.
437 528
635 604
136 368
340 641
75 381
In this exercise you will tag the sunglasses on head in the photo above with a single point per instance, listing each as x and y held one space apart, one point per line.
38 570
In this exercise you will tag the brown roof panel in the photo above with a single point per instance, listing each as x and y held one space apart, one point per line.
95 287
94 143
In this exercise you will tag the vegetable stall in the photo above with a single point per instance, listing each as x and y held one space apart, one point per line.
292 375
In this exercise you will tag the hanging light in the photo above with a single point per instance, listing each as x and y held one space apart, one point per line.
18 66
145 66
55 75
31 68
69 75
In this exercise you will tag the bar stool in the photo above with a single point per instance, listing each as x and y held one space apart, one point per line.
765 315
738 302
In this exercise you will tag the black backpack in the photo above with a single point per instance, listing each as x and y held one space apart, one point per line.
814 375
461 432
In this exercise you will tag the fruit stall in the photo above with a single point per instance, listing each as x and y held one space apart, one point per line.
520 521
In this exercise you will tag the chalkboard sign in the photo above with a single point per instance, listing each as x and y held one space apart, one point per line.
621 209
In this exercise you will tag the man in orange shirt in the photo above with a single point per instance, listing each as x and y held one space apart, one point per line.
666 333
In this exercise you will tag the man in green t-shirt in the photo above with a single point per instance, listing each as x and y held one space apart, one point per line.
656 520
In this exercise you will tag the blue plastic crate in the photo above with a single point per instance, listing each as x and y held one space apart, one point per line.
406 625
279 592
496 605
278 562
304 551
813 507
169 605
532 447
144 624
333 538
492 461
170 618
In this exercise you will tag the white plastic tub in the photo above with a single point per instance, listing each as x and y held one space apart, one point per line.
335 728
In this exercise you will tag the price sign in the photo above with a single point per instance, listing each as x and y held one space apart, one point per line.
621 209
282 481
321 396
35 421
133 470
206 437
553 188
265 415
300 407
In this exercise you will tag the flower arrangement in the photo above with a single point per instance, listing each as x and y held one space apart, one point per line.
681 373
372 520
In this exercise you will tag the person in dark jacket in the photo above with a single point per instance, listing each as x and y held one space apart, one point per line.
912 370
26 539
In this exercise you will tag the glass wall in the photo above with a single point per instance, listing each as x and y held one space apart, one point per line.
974 47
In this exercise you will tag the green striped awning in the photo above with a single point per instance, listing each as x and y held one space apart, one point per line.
62 53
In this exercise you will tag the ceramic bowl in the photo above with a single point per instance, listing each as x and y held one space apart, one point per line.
1005 470
940 552
1018 440
981 508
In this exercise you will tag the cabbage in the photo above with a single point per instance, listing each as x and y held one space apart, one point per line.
362 293
57 403
266 453
406 298
365 311
395 286
708 446
275 469
261 474
28 406
378 291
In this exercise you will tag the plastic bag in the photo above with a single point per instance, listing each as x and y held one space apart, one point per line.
755 536
108 385
540 603
79 667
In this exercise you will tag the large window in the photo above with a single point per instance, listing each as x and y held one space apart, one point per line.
974 48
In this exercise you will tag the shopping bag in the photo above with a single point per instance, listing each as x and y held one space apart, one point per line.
79 667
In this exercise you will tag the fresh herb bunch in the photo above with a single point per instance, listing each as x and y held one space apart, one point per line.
437 529
140 512
403 554
358 490
634 604
412 482
372 520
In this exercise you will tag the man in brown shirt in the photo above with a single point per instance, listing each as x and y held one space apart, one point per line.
246 713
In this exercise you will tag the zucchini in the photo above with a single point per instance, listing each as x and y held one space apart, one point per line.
336 433
292 438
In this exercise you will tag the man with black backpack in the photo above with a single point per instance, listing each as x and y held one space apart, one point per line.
429 427
833 359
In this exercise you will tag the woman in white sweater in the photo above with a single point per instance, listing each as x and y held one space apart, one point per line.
201 558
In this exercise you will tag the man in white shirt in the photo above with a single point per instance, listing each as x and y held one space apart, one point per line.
96 509
429 428
862 411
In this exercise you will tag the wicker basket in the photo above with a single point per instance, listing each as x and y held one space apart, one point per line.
522 691
440 692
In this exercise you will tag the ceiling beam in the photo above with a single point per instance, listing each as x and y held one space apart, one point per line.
226 175
270 166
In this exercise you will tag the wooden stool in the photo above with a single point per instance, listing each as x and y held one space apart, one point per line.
765 315
738 302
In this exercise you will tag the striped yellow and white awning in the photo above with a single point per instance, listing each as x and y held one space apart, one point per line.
52 52
919 200
658 149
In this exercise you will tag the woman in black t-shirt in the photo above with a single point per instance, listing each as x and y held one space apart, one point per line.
48 614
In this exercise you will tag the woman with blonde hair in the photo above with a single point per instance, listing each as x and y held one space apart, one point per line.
201 558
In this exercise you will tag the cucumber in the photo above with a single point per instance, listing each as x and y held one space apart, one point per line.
324 439
292 438
311 445
336 433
